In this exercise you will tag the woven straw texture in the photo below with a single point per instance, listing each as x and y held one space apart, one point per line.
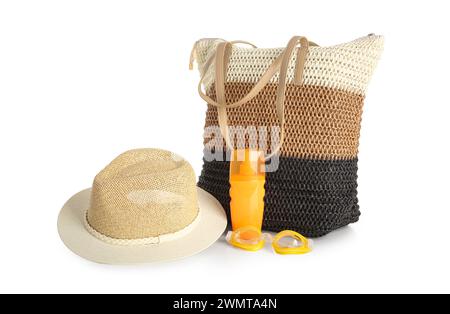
142 194
314 190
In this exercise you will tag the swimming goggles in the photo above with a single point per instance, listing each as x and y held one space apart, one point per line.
286 242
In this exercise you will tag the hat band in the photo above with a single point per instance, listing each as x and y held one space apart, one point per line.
144 241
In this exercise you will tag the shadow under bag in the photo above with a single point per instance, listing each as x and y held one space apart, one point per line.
315 95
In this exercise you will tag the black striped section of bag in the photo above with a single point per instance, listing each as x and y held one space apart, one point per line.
313 197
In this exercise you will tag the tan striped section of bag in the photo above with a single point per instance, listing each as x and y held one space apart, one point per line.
321 122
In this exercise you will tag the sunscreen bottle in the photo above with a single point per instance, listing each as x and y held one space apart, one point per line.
247 179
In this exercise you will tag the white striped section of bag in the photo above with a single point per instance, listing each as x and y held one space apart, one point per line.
346 67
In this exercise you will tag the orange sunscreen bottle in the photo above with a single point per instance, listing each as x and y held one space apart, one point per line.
247 179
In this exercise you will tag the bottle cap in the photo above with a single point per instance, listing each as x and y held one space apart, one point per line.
247 163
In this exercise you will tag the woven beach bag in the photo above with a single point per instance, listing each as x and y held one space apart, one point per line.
307 101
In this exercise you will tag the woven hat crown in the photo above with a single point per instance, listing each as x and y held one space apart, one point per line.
143 193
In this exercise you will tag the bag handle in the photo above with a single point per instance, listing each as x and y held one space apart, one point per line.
281 65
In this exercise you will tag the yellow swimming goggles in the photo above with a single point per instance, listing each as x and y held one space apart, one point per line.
285 242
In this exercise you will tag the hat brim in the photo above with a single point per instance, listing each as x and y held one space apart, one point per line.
212 225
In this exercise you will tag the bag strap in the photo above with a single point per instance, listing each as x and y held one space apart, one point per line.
281 65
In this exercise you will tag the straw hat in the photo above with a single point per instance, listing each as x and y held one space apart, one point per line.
143 207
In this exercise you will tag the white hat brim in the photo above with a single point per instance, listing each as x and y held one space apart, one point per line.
212 225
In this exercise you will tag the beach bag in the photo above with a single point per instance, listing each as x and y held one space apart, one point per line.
306 102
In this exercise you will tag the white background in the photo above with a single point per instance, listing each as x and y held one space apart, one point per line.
83 81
